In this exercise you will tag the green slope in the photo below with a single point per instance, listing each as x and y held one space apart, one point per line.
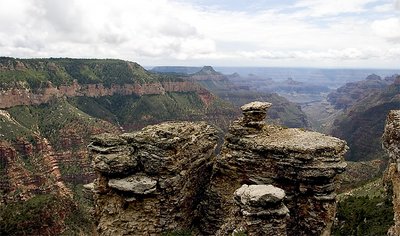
133 112
37 73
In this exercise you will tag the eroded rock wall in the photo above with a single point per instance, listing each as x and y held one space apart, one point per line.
24 96
28 170
391 144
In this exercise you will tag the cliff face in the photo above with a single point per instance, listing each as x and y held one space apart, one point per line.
363 123
266 181
44 161
391 144
37 81
29 170
347 95
32 184
20 96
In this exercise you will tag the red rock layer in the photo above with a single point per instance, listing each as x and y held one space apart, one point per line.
20 96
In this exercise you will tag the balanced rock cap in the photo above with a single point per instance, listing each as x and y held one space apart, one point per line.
259 195
259 106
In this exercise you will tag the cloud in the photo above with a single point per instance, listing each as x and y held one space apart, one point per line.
319 8
388 29
177 31
384 8
142 28
332 54
397 4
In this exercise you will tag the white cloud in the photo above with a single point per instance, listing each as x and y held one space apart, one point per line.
384 8
142 28
342 54
388 29
175 32
318 8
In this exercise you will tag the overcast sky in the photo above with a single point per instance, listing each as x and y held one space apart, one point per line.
286 33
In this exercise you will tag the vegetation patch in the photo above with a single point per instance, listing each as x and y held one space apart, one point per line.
31 217
364 213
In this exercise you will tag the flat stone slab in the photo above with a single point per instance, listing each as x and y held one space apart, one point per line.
261 106
135 184
89 186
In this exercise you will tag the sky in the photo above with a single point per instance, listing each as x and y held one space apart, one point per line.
276 33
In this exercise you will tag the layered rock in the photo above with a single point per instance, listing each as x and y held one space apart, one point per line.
22 95
363 123
391 144
304 164
151 181
208 73
29 170
267 180
348 94
259 211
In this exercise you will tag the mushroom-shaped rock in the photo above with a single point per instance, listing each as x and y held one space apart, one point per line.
135 184
259 195
256 106
255 112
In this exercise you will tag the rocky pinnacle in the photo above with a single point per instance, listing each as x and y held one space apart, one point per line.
267 180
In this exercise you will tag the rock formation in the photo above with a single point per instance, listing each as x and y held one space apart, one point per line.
267 180
367 114
152 181
25 96
347 95
302 163
208 73
17 176
260 211
391 143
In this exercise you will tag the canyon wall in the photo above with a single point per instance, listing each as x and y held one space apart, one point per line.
19 181
391 144
267 180
25 96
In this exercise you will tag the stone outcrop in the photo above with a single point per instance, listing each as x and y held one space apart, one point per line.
22 95
260 211
302 163
267 180
391 143
168 167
